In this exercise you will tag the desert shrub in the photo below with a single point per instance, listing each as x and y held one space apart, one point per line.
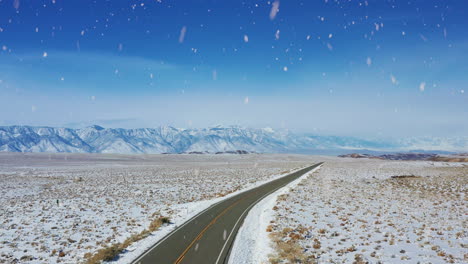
158 222
292 252
105 254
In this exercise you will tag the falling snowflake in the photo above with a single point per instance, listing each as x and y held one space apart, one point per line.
183 30
394 80
422 86
285 68
16 4
246 100
423 37
369 61
246 38
274 9
277 34
44 55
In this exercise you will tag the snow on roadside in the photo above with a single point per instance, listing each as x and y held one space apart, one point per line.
252 244
186 212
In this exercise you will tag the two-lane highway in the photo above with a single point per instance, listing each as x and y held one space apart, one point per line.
208 237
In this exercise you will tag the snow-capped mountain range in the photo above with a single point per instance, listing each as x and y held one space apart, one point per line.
96 139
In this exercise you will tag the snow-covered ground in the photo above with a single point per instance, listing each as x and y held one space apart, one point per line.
353 211
252 241
59 207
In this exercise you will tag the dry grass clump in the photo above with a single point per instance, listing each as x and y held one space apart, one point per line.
290 251
371 211
111 252
105 254
155 224
288 247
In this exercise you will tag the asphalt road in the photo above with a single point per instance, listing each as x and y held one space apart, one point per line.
209 236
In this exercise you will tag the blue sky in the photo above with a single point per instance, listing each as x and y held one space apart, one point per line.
368 68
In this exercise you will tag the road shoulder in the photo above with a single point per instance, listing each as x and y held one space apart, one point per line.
252 244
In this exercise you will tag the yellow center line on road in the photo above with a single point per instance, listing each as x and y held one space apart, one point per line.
200 235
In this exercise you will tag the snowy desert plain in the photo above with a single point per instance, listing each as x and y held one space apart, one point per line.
374 211
65 208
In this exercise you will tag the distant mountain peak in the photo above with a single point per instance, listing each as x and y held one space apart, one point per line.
167 139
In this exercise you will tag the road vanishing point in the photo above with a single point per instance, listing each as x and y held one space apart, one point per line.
208 236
